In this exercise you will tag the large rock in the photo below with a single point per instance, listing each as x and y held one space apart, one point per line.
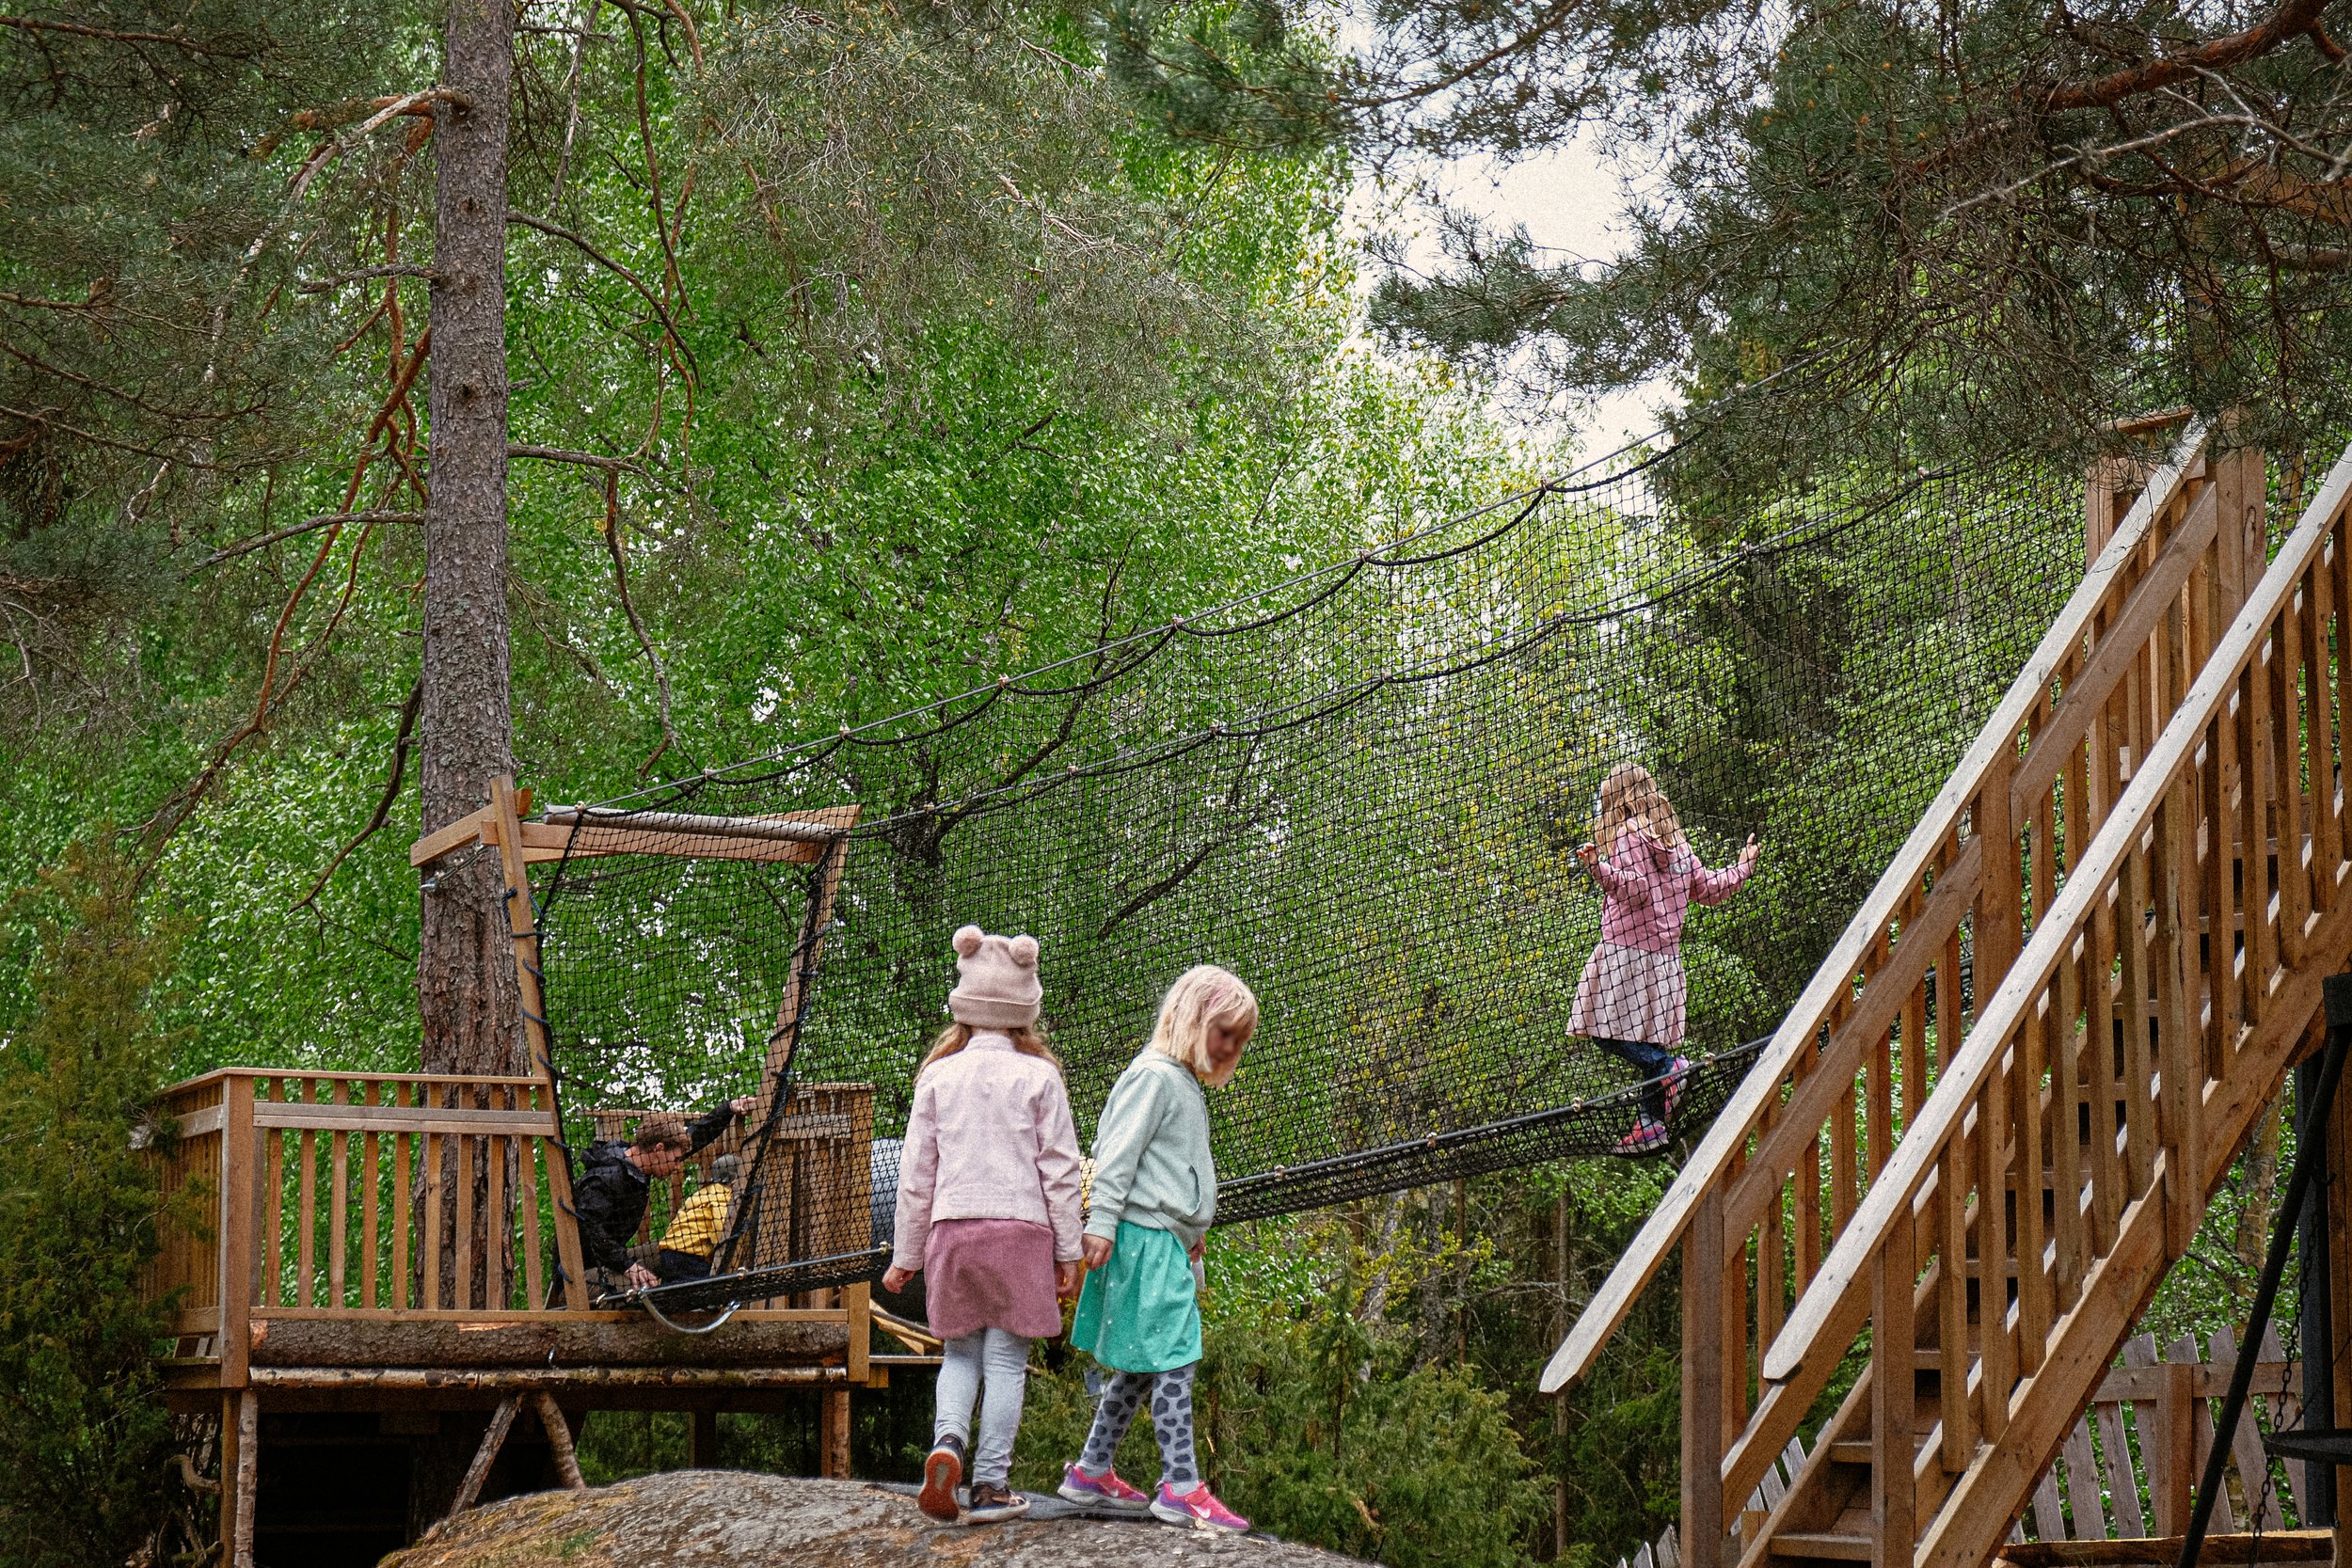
710 1519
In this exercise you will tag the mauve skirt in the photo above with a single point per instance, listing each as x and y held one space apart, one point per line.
991 1273
1631 994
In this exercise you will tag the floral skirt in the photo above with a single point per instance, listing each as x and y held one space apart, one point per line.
1631 994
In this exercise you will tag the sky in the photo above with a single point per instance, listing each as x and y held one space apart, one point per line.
1569 201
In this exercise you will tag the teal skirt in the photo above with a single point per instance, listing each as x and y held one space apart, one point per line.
1140 1312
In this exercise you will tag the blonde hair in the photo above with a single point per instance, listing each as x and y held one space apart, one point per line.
1629 798
1028 1040
1203 997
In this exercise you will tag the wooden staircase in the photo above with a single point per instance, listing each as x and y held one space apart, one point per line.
2009 1172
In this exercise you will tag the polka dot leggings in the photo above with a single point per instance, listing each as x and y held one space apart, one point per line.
1123 1394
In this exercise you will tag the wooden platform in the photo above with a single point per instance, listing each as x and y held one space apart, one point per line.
380 1249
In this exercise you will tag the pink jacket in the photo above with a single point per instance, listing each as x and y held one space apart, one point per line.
1651 888
990 1138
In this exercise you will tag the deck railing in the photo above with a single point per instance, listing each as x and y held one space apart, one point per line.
357 1194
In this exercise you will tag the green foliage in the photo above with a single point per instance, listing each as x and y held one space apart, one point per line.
1320 1420
83 1433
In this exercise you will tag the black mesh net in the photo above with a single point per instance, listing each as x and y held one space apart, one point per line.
1365 792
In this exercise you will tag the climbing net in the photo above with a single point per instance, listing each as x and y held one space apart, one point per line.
1364 790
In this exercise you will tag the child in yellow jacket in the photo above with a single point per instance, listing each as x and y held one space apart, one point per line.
693 1237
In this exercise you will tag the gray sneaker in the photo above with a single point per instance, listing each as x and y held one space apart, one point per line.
987 1503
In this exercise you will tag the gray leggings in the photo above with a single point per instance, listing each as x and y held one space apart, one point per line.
1171 1422
1000 1362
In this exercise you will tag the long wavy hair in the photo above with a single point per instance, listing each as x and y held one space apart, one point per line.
1629 798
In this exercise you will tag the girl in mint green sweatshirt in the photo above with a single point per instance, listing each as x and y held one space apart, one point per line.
1154 1196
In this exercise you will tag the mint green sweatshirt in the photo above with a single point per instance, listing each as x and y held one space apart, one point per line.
1152 1162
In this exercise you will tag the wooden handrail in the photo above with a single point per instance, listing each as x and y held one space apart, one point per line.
2088 886
1756 1108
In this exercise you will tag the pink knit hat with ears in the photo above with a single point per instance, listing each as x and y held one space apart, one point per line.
996 981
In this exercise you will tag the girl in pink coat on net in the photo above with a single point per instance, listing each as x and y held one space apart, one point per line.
1633 997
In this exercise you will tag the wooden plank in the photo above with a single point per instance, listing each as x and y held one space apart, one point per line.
522 926
1993 1358
2122 1480
1960 1437
498 1253
835 1459
2161 1551
453 1120
306 1227
466 829
534 1281
274 1189
370 1177
240 1217
468 1222
501 1419
2082 1485
568 1380
248 1482
2246 1447
2033 1290
821 827
1894 1335
2049 1512
402 1147
429 1250
543 843
1702 1520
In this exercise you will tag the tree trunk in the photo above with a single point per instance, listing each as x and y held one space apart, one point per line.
465 992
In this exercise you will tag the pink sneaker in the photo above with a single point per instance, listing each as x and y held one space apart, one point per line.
1676 1073
1197 1508
1103 1491
1647 1137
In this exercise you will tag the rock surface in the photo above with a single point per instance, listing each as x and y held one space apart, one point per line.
708 1518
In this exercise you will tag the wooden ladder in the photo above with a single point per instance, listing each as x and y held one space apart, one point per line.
2031 1155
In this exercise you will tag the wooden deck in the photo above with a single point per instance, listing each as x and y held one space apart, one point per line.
387 1246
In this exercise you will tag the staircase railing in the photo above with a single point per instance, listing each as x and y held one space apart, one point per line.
2067 1152
1848 1071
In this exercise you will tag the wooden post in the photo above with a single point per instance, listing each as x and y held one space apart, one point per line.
559 1440
833 1462
524 928
858 1302
240 1222
239 1489
1893 1394
773 1244
1703 1387
701 1448
493 1438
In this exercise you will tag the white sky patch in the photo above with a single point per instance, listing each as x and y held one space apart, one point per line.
1571 199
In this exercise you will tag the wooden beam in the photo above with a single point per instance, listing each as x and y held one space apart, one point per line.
555 1379
559 1440
523 927
405 1118
769 1246
493 1438
542 1339
701 1443
2161 1551
815 827
240 1474
835 1462
471 829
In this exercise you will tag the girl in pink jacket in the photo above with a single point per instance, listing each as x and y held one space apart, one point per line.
1633 997
988 1211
